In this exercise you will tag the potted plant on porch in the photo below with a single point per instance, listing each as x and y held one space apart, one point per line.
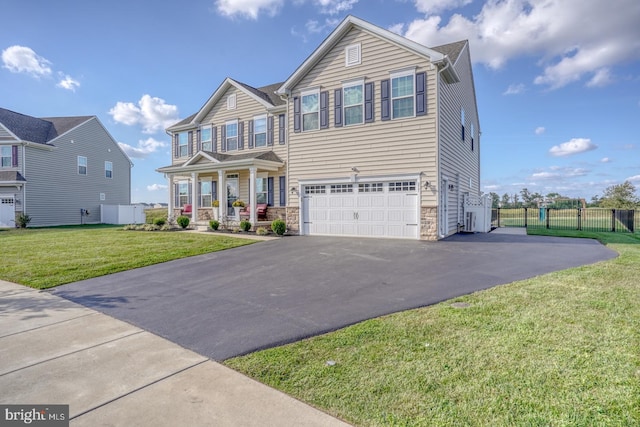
216 209
237 204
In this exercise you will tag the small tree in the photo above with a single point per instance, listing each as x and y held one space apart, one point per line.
621 196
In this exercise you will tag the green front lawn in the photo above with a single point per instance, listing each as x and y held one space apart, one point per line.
561 349
47 257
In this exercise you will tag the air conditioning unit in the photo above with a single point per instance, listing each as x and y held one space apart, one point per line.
470 222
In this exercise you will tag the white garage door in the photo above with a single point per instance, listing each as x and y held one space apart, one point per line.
375 209
7 212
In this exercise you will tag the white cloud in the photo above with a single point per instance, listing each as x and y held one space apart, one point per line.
605 160
514 89
69 83
433 6
540 130
552 30
157 187
574 146
546 175
334 7
601 78
144 148
248 8
152 113
635 178
22 59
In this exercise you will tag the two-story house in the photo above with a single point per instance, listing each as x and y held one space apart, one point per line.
373 135
59 170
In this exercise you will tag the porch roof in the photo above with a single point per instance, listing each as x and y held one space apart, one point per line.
210 161
11 177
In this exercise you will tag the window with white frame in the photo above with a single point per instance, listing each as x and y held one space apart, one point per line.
206 139
311 110
403 94
206 190
261 188
353 99
82 165
108 169
473 136
375 187
315 189
342 188
6 156
402 186
183 193
260 131
462 123
232 135
183 144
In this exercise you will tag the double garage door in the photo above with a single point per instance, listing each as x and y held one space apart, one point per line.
372 209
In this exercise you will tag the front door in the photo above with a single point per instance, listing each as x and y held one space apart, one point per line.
233 191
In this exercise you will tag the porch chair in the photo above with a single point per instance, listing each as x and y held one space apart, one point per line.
186 209
261 211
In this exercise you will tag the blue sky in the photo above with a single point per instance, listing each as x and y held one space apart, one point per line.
557 81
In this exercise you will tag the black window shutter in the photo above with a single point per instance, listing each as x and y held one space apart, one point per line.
190 144
199 196
385 112
369 115
214 139
223 138
214 190
337 108
283 190
296 114
176 145
270 130
421 94
270 191
199 140
462 133
14 156
240 135
250 134
281 129
324 109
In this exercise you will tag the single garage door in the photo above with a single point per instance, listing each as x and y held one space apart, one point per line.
7 212
372 209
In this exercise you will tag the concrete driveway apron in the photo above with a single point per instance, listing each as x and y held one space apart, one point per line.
240 300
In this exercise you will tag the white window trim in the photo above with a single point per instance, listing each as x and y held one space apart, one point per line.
108 167
186 144
10 156
85 165
260 117
210 181
306 92
411 71
353 55
180 194
347 84
227 123
265 176
202 141
231 102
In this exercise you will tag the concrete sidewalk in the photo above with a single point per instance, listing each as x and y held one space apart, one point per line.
53 351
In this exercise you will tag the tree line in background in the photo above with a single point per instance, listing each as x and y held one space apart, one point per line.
621 196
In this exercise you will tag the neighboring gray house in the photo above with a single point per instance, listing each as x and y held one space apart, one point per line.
373 135
59 170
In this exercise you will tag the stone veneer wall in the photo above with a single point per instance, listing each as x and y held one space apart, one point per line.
274 212
429 223
293 214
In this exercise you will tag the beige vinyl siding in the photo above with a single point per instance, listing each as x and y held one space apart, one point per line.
55 192
457 161
401 146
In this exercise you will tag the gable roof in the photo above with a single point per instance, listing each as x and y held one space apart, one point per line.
343 28
452 50
264 95
38 130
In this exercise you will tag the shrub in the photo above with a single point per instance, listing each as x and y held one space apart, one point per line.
150 227
278 226
183 221
130 227
214 225
245 225
22 220
159 221
261 231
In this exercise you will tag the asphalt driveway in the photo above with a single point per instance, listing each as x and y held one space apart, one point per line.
240 300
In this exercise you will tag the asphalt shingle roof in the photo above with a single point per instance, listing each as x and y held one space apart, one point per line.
452 50
38 130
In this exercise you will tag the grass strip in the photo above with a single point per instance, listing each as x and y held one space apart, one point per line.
47 257
562 349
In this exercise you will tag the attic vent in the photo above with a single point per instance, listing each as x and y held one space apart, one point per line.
231 102
352 55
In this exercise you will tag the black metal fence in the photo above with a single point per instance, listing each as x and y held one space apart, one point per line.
589 219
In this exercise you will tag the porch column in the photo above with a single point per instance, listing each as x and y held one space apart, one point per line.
194 197
171 195
252 195
222 195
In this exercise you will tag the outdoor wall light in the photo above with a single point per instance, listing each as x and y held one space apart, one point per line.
292 190
426 184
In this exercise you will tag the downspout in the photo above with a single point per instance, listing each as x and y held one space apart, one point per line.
441 191
24 184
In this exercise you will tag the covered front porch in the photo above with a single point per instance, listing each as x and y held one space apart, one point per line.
256 179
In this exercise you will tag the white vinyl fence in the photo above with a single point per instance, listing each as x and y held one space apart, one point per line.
122 214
